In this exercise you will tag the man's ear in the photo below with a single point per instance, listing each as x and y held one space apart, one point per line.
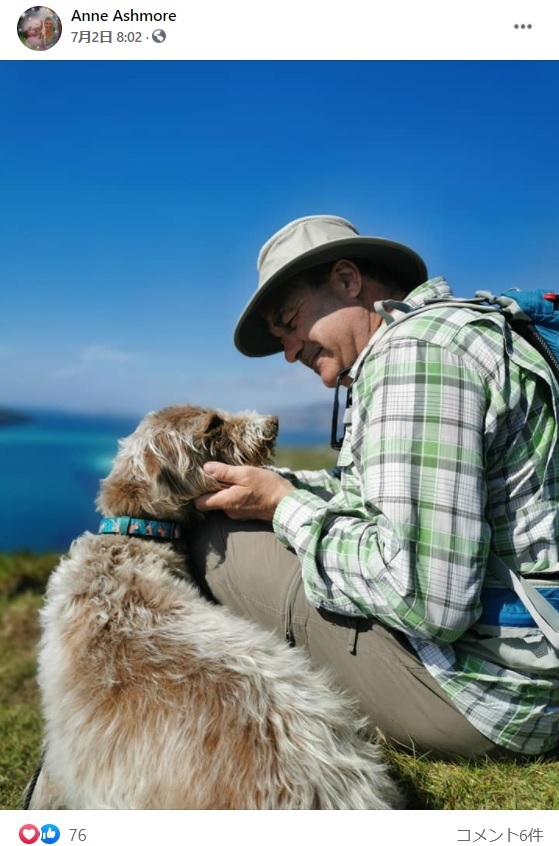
346 279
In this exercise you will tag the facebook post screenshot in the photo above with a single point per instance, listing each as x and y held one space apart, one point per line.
279 422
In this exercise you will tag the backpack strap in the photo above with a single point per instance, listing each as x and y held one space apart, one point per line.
483 301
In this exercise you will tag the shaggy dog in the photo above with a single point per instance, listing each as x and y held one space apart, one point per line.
155 698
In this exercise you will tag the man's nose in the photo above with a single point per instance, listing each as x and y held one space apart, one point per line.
291 347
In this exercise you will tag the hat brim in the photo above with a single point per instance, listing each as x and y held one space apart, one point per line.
252 336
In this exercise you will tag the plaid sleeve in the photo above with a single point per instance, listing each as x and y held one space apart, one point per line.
323 483
405 539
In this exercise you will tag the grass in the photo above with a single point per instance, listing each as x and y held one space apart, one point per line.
20 720
429 784
314 458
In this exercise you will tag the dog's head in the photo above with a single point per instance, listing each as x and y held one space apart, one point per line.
158 469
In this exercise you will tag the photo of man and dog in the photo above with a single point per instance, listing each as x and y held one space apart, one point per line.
280 458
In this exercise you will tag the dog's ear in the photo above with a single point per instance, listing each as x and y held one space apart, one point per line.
214 436
174 480
165 480
120 495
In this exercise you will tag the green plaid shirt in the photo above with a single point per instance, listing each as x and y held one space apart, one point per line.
451 450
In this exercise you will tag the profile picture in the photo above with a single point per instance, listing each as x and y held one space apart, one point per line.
39 28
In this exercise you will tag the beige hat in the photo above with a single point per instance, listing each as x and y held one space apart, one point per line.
308 242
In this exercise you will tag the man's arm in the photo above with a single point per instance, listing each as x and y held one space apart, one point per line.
405 539
323 483
253 493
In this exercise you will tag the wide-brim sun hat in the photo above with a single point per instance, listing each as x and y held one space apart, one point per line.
305 243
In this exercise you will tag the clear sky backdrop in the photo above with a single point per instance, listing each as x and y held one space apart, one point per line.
136 196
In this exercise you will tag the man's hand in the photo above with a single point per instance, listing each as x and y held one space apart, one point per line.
249 493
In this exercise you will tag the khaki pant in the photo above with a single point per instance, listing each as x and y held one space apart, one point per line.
246 568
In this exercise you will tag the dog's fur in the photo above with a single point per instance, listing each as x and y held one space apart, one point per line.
155 698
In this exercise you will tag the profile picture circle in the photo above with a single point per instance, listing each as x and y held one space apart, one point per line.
39 28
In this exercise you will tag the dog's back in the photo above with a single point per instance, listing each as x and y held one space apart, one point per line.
154 698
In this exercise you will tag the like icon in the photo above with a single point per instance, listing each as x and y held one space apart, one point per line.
29 834
50 834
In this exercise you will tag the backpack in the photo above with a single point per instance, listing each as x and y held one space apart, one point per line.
535 316
532 314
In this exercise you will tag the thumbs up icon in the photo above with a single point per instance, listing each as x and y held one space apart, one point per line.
50 834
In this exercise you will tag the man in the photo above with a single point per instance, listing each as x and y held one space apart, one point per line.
450 457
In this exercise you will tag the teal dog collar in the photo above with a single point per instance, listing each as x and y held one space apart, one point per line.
137 527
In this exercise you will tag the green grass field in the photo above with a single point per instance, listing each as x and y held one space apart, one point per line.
429 784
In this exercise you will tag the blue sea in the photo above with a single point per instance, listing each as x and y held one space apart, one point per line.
50 468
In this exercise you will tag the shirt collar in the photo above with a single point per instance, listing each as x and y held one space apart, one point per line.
433 288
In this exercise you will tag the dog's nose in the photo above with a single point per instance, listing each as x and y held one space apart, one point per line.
274 421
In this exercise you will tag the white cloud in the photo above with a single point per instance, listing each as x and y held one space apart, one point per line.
99 352
89 357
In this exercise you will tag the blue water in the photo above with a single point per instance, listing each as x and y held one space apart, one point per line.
49 477
50 470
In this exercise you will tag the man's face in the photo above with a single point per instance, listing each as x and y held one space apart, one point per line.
324 328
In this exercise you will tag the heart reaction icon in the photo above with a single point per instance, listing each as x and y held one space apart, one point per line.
29 833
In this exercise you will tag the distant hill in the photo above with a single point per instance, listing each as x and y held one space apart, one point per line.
13 418
306 423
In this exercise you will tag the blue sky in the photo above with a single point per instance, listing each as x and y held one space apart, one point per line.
136 196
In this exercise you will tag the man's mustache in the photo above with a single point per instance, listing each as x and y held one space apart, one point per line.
308 354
